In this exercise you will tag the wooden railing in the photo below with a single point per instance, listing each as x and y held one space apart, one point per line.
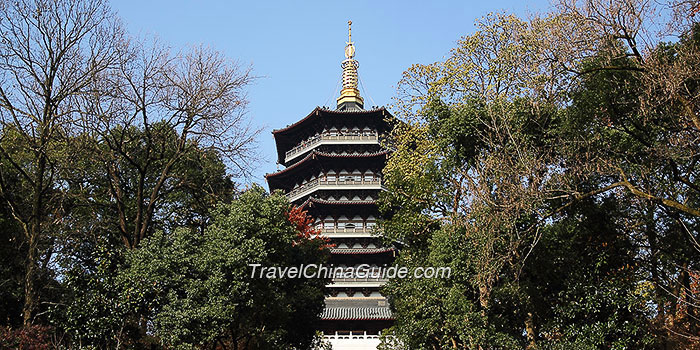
313 184
357 279
318 139
346 230
351 335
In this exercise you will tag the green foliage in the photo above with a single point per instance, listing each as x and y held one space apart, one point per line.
98 313
195 288
11 270
198 289
568 212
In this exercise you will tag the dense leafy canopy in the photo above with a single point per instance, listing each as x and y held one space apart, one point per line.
552 164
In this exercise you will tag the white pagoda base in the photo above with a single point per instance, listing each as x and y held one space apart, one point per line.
355 344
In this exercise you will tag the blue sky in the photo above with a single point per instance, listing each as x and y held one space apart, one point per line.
296 47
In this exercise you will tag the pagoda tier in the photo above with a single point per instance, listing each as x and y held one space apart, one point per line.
332 168
333 163
378 257
330 127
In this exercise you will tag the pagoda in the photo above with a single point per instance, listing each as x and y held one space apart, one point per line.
333 162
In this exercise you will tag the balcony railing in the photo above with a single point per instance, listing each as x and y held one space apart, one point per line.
336 232
357 279
327 138
332 230
303 190
350 335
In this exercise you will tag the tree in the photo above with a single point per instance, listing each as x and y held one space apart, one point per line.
502 158
92 253
198 289
155 116
49 53
96 126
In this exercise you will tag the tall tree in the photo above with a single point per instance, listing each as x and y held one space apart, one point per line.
155 116
525 130
199 289
49 53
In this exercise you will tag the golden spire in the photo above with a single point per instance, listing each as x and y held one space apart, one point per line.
350 95
349 47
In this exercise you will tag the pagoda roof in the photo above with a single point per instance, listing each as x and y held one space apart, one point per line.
286 138
357 313
312 200
320 112
317 206
277 180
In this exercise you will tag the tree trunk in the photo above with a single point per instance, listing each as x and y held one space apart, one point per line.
30 298
530 332
33 236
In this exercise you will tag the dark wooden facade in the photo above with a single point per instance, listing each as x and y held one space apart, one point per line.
334 161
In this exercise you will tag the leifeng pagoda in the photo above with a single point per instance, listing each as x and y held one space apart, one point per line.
333 168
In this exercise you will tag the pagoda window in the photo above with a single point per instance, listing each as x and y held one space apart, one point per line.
341 225
350 226
328 225
370 222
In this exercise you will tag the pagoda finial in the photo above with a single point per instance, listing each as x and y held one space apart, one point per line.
350 95
349 47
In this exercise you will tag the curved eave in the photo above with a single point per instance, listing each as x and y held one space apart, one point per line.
311 201
357 314
281 134
318 111
273 178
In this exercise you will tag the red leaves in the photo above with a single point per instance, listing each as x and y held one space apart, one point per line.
26 338
304 224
